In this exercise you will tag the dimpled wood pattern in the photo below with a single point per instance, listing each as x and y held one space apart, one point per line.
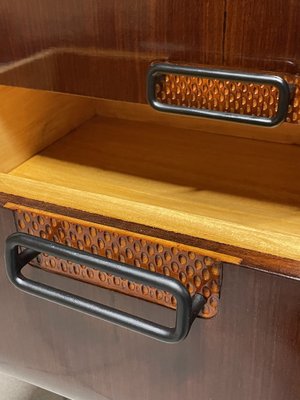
227 96
198 272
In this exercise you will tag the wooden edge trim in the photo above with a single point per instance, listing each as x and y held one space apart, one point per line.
217 256
234 255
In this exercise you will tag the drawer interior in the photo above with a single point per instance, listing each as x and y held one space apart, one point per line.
233 185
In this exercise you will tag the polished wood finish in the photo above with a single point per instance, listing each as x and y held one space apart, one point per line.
103 48
250 350
263 35
284 133
230 190
157 128
224 194
237 255
199 270
30 120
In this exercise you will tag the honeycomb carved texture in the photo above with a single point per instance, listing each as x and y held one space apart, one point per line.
227 96
198 273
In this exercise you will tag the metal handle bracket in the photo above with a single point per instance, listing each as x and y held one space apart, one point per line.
285 92
187 307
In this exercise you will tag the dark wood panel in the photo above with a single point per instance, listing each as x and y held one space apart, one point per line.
263 35
250 350
103 47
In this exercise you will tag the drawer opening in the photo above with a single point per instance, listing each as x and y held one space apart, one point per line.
211 180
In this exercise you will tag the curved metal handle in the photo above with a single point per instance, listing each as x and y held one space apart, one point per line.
283 87
187 307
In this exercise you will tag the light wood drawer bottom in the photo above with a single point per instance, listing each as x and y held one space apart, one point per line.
112 160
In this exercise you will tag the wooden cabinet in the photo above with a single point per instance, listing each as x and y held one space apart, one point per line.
211 204
262 35
249 350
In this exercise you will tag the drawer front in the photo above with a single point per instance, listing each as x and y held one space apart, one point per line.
63 47
71 42
199 270
248 351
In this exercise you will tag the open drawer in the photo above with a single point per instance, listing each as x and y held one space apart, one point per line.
172 195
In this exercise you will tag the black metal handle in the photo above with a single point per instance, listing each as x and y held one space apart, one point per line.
187 307
285 91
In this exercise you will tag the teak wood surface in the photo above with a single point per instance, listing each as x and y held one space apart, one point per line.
202 182
215 166
230 190
250 350
261 34
31 120
199 183
103 48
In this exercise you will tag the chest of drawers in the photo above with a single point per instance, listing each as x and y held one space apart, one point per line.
111 209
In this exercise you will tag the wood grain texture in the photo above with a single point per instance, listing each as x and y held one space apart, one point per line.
263 35
284 133
103 48
30 120
229 190
238 256
62 46
250 350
